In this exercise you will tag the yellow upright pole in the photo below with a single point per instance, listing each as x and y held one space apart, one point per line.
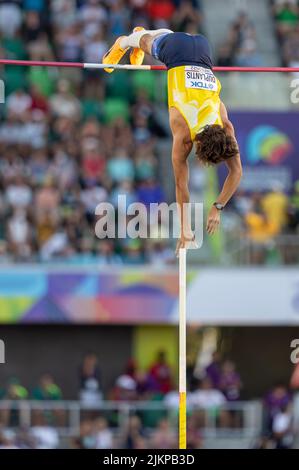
182 351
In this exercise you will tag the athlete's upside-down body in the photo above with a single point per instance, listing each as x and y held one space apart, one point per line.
196 113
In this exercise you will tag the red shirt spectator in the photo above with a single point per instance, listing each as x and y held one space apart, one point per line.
161 373
160 9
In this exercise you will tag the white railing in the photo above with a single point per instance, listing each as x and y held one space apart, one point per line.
66 416
240 250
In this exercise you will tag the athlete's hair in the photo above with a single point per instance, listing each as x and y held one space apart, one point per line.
213 145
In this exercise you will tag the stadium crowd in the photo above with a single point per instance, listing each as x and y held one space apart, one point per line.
286 17
240 46
218 384
71 140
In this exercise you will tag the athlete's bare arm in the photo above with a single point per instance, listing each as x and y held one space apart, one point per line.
181 148
233 178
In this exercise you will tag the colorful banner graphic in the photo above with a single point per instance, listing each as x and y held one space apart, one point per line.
269 146
147 296
123 296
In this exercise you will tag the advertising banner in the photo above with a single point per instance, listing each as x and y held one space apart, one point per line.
269 146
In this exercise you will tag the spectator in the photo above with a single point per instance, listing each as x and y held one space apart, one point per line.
47 389
106 255
134 436
209 400
163 437
274 205
125 388
206 396
286 15
282 428
213 370
18 103
18 194
103 435
120 167
45 436
230 381
260 231
10 17
90 381
64 103
160 373
277 399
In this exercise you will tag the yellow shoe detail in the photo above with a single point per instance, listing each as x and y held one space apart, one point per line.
114 55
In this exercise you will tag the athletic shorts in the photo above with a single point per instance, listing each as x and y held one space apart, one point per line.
176 49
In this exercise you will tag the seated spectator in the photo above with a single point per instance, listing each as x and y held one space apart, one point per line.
160 12
164 436
277 399
134 436
94 47
206 396
119 18
225 55
287 16
47 197
282 428
132 251
18 103
105 254
33 27
20 235
207 399
93 14
70 43
150 192
90 381
10 17
103 435
160 373
47 389
63 13
44 435
214 370
123 195
13 391
230 381
260 232
120 167
186 14
159 253
93 162
7 440
18 194
145 164
290 49
274 205
91 196
64 103
125 388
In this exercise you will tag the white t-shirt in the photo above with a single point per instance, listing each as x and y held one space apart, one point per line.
207 398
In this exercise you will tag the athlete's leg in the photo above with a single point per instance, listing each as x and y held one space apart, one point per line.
139 39
142 39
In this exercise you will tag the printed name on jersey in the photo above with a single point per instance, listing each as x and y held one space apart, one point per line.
200 78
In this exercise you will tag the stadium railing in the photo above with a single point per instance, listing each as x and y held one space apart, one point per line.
66 416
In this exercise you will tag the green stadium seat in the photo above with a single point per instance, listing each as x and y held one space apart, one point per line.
145 81
114 108
119 85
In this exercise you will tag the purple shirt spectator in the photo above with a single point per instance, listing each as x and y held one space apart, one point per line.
213 370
